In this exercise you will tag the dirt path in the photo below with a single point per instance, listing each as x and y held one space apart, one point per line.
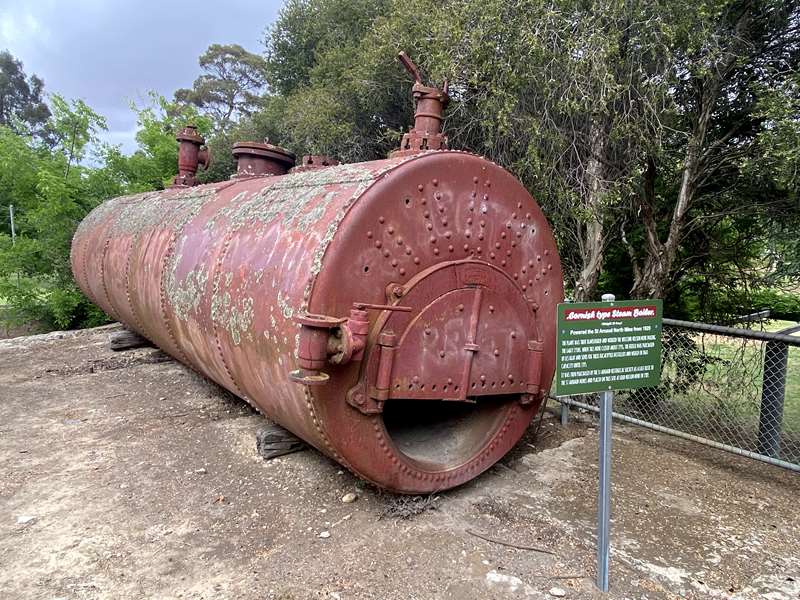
128 476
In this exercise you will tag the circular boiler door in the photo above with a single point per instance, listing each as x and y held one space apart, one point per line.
448 369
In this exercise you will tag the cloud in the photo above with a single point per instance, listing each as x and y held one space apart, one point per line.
112 52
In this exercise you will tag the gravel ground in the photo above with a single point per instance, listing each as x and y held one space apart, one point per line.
126 475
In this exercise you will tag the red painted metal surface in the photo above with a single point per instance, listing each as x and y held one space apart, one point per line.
216 275
399 315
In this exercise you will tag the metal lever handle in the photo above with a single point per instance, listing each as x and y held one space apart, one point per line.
365 306
410 66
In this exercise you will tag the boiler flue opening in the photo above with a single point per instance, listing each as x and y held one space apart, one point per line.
440 435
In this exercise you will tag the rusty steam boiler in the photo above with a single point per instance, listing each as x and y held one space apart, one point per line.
399 314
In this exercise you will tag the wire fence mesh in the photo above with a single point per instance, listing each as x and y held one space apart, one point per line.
736 387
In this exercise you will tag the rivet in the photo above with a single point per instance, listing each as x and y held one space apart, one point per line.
510 377
460 308
497 245
467 234
524 287
483 223
448 234
429 226
433 240
488 183
466 247
513 243
491 254
496 352
450 248
397 291
530 263
524 269
378 243
508 252
438 195
530 282
474 180
516 275
435 182
416 260
479 250
519 204
441 353
513 215
513 335
441 209
390 230
503 262
415 379
402 271
491 308
426 214
486 196
527 215
538 277
503 235
544 271
444 222
449 381
394 262
549 267
420 187
399 241
547 252
483 377
436 251
469 221
386 253
369 234
381 220
427 331
519 234
408 250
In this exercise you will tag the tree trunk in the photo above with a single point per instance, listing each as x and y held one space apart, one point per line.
592 233
659 265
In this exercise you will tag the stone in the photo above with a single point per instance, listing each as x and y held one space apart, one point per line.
325 534
557 592
349 498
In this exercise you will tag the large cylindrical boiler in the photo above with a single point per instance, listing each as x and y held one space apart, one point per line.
399 315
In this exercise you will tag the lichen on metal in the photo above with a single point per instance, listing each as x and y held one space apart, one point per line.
224 277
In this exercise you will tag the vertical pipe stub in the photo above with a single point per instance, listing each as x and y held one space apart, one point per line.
191 156
255 159
430 104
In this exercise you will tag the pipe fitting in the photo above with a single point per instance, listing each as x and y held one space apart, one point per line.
192 154
254 159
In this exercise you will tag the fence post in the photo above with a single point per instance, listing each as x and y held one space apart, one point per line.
13 228
773 391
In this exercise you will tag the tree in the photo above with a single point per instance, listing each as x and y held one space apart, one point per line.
22 107
230 86
732 54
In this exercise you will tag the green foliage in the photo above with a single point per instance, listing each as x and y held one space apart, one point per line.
22 107
230 86
52 186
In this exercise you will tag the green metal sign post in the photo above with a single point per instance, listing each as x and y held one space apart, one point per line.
601 347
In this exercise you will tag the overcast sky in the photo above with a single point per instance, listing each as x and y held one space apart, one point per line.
109 52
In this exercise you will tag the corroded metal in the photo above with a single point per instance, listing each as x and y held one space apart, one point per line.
216 275
255 159
399 315
191 155
426 134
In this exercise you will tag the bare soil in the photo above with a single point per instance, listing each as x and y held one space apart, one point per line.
126 475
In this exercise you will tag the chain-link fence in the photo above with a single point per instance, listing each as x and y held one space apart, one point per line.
737 389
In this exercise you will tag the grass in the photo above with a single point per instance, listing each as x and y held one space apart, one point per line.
712 386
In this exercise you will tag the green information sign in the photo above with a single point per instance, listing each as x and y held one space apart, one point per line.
608 346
